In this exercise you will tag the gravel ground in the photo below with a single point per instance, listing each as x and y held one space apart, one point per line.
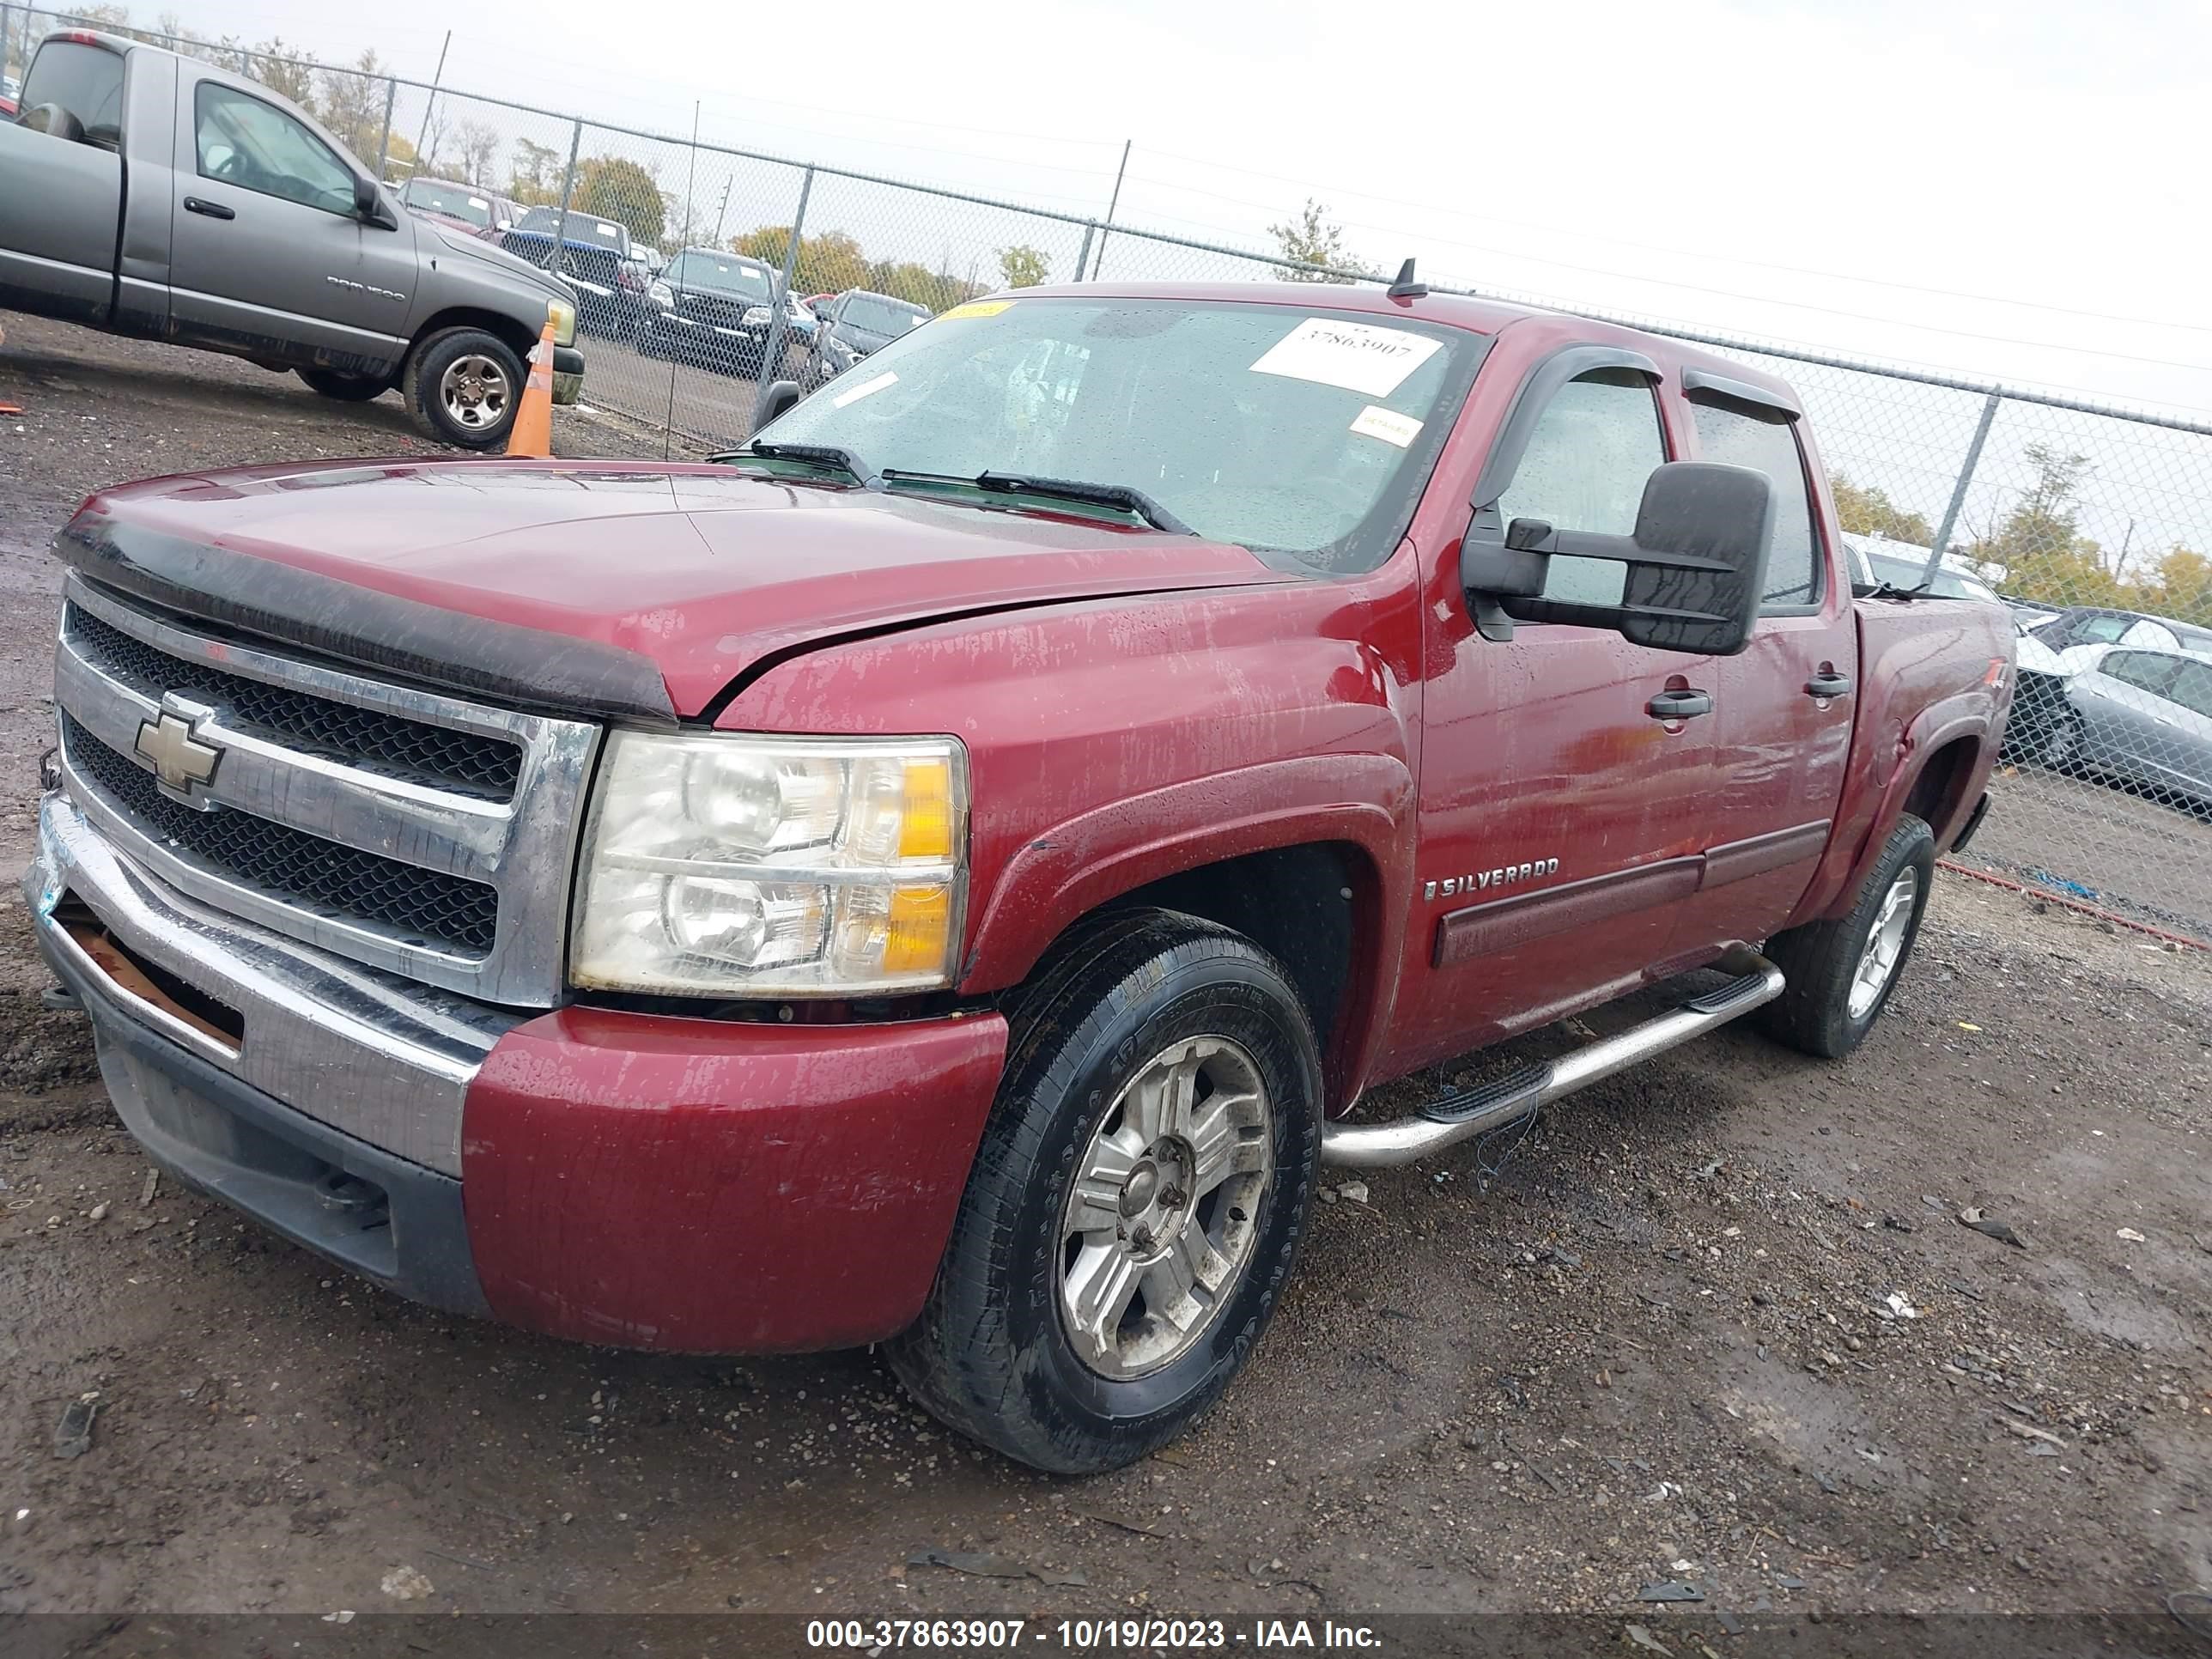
1715 1323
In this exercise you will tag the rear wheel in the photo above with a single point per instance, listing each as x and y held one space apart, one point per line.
1137 1202
346 388
1840 973
464 386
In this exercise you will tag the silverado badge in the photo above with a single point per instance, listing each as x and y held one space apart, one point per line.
1453 886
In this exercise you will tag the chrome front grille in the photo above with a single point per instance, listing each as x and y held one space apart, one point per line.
373 739
419 833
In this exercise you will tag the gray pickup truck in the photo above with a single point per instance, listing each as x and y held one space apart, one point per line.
151 194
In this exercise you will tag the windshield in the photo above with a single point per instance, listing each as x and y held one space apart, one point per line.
1286 431
880 316
699 272
1946 584
454 201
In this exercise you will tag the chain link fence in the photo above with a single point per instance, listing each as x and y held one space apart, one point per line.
2091 523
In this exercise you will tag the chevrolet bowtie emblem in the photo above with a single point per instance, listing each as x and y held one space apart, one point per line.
180 760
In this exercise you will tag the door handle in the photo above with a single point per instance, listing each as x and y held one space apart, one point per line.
1828 685
1680 705
212 210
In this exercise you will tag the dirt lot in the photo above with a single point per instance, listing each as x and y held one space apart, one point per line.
1716 1324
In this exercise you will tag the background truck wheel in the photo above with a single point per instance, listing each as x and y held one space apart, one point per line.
463 387
346 388
1841 973
1137 1202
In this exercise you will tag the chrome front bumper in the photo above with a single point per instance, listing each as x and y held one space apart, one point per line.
381 1060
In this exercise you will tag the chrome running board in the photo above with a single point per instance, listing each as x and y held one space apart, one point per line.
1465 1113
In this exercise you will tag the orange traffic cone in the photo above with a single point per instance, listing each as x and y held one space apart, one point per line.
532 431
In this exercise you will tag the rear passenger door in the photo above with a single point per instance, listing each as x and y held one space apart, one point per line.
1561 817
1782 714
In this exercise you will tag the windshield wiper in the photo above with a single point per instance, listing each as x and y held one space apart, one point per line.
1888 590
813 455
1129 499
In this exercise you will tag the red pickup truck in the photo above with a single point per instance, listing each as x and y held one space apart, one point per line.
944 873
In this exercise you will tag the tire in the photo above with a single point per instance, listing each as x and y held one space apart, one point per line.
2059 745
428 397
346 388
1150 995
1825 961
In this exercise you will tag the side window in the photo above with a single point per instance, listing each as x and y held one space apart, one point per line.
1596 443
1742 437
2192 688
2143 670
86 80
255 146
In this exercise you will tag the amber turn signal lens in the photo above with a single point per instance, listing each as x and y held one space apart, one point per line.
916 938
925 814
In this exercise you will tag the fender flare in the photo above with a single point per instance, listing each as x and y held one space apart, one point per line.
1083 862
1931 730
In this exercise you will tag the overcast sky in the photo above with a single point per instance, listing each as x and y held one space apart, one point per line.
1998 190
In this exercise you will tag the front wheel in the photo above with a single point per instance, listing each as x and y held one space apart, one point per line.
1137 1202
1840 973
464 386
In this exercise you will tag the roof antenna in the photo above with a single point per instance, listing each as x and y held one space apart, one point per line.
1406 288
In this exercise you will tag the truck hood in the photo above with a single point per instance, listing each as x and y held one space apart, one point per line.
668 580
458 240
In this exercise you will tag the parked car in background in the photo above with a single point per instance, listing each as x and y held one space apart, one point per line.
856 323
713 309
1903 567
2138 715
799 317
2105 625
478 212
10 88
591 261
162 197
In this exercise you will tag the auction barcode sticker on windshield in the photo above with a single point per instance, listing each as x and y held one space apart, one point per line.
1355 355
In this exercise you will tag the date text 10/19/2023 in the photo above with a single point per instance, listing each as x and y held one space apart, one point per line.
875 1636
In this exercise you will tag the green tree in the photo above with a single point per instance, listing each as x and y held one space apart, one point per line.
828 264
294 80
2181 588
615 187
353 107
1023 266
2039 545
534 179
1309 240
1867 510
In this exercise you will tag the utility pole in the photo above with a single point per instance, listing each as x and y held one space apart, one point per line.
420 159
721 210
1111 204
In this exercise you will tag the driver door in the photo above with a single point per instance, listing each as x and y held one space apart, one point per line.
266 254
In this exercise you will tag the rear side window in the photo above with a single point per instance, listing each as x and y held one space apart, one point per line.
86 80
1739 437
2143 669
2192 688
1596 445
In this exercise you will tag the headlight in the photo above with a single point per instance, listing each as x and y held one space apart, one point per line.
564 321
743 866
754 317
661 295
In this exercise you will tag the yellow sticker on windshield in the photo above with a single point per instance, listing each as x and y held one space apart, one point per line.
975 308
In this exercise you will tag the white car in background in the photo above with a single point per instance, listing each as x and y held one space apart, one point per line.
1877 559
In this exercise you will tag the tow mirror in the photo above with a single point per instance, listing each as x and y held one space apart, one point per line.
775 402
1696 563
